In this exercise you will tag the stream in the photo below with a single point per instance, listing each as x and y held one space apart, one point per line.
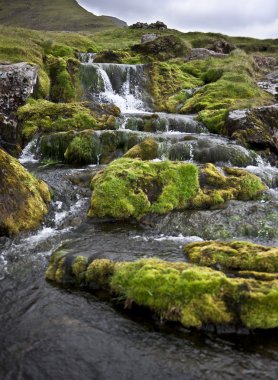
50 332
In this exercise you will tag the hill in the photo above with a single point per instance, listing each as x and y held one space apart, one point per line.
57 15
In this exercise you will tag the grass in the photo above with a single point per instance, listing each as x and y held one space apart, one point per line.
53 15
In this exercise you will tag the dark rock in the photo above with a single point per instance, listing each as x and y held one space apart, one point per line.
265 62
202 53
155 25
18 82
257 128
222 46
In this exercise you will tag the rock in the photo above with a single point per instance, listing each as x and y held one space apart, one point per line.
129 188
270 83
267 63
202 53
23 198
156 25
163 48
148 37
222 46
146 150
257 128
234 256
18 82
175 291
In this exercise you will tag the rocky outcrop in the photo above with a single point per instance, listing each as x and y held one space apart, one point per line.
18 82
23 198
222 46
202 53
257 128
143 25
148 37
270 83
163 48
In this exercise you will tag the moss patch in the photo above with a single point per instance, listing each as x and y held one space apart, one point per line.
23 198
194 296
238 256
146 150
133 188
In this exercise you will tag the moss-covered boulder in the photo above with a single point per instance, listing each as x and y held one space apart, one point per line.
23 198
42 116
194 296
133 188
235 256
146 150
163 48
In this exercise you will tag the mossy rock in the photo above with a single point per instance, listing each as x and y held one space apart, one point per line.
133 188
81 149
146 150
163 48
43 116
23 198
235 256
176 291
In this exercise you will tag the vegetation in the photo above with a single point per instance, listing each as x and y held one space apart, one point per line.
43 16
23 198
45 117
133 188
194 296
236 256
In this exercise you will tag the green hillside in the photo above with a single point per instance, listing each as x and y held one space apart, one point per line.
62 15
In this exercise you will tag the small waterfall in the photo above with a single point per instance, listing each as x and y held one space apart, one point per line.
86 58
118 84
29 152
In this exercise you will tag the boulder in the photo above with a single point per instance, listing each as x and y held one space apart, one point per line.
159 25
148 37
192 295
256 128
163 48
131 188
202 53
17 83
23 198
222 46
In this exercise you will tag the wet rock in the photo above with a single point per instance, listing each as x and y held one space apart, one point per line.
23 198
18 82
194 296
202 53
235 256
270 83
256 128
146 150
130 188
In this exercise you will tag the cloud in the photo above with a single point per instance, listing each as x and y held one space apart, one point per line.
255 18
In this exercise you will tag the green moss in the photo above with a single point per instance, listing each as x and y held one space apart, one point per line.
81 149
54 146
146 150
44 116
132 188
214 120
23 198
79 268
176 291
239 256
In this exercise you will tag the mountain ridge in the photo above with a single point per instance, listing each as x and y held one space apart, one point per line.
58 15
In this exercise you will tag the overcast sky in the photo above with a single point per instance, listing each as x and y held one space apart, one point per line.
255 18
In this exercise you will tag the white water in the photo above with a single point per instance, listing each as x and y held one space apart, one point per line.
28 153
127 100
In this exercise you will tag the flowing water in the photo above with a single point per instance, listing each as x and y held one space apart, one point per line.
49 332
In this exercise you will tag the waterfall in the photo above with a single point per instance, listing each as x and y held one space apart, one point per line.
118 84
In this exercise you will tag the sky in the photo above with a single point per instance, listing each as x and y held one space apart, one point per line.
254 18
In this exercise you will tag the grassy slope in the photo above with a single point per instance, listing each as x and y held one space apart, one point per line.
53 15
